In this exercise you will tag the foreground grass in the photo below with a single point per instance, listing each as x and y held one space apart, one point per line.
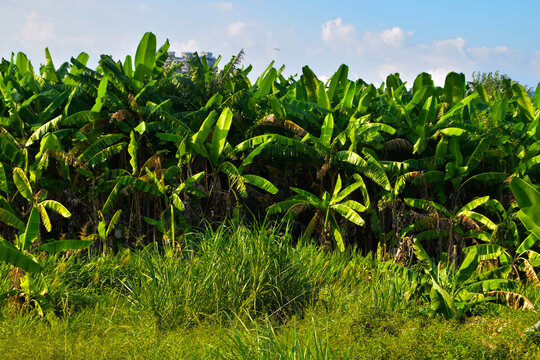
246 294
362 333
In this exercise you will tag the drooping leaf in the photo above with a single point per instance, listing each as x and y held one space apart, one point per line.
22 184
513 300
349 214
261 183
309 197
44 129
369 169
177 202
63 245
10 150
251 156
16 258
44 217
473 204
118 188
426 205
485 251
106 153
139 184
99 145
10 219
56 207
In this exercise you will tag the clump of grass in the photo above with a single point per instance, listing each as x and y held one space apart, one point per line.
266 340
230 271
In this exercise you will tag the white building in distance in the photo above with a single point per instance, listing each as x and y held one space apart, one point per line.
183 60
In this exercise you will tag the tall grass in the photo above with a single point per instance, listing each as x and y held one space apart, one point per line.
233 270
266 340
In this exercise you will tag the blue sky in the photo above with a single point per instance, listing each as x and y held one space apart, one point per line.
373 38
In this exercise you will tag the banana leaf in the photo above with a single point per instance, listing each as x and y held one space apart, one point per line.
16 258
63 245
528 199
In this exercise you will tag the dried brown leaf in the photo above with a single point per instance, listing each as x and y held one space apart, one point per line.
532 277
513 300
398 144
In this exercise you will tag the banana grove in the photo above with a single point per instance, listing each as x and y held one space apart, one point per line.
134 152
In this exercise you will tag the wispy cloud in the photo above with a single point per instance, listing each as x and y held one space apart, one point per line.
35 31
393 37
334 32
223 6
189 45
236 29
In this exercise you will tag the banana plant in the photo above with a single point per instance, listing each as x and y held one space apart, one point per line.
30 232
439 222
162 185
220 154
326 207
330 147
19 253
451 291
238 179
105 230
528 200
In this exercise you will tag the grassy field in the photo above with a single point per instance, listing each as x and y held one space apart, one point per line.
245 293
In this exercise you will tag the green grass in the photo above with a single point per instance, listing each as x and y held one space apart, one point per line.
245 293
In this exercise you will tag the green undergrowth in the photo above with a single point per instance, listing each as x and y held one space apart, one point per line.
244 292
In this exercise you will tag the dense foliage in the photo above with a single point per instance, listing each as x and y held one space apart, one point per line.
133 152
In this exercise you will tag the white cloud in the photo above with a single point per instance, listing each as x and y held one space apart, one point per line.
35 31
485 54
457 44
335 32
386 40
190 45
142 7
236 29
393 37
223 6
439 74
386 69
314 52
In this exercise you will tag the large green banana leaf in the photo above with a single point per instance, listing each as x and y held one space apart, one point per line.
11 255
528 199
